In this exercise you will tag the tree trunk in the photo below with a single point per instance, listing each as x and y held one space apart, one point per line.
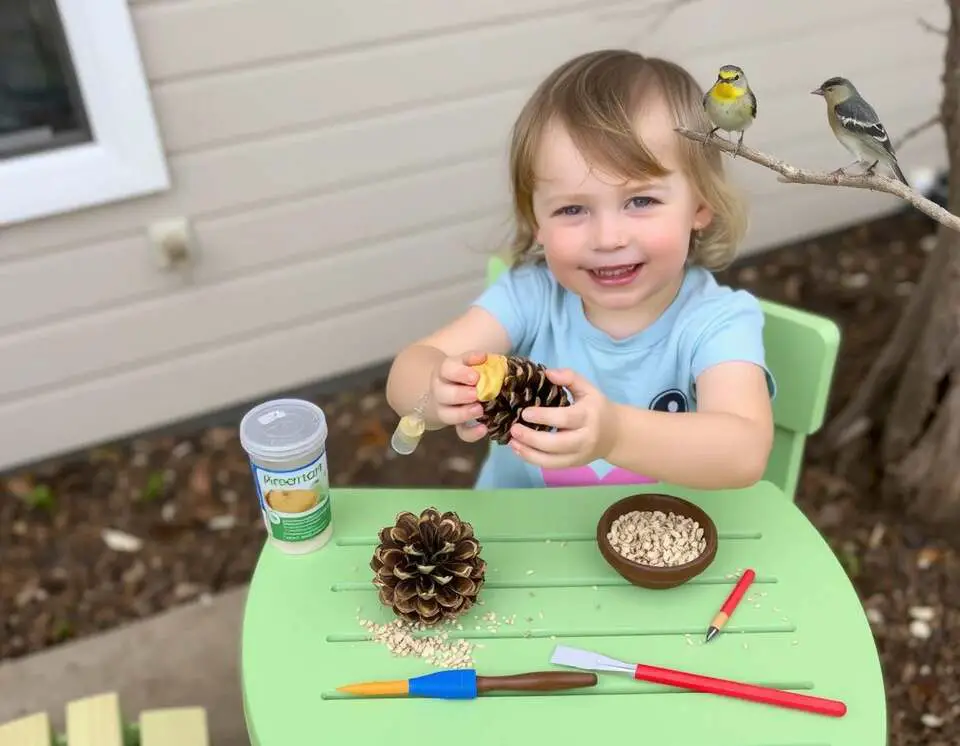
921 435
921 431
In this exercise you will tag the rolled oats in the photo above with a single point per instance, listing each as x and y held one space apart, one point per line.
656 538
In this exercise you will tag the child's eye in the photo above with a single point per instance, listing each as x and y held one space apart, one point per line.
569 210
642 201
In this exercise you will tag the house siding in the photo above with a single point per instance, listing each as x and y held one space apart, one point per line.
343 169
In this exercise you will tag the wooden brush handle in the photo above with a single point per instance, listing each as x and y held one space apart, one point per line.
537 681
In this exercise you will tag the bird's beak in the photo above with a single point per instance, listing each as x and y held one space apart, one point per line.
818 92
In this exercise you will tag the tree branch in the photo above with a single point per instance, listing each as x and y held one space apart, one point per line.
927 26
668 9
918 130
793 175
660 11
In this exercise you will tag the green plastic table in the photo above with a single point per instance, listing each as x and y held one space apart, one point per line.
802 629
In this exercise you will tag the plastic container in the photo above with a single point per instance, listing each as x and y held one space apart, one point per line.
286 442
406 436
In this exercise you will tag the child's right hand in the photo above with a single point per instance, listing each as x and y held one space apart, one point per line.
453 388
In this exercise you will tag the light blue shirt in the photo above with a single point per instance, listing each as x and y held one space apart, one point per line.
654 369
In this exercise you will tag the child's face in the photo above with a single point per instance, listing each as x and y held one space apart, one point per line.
620 246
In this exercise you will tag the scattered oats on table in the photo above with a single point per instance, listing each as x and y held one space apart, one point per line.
655 538
404 639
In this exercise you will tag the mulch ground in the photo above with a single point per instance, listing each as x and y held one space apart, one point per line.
130 529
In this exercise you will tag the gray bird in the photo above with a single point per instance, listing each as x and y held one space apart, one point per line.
858 128
730 103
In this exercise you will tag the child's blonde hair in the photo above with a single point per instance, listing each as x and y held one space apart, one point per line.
596 97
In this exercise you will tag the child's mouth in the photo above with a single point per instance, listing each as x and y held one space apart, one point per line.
618 275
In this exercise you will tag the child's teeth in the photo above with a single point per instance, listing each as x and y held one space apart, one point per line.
614 272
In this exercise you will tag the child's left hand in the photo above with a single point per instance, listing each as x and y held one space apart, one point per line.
586 430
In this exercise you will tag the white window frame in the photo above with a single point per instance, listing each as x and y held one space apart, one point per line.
125 158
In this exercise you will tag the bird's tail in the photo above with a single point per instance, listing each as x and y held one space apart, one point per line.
896 169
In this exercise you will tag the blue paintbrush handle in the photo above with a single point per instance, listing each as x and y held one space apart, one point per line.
451 684
465 684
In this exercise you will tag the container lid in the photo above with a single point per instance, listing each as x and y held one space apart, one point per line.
283 429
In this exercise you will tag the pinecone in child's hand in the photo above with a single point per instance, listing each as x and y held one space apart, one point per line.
509 383
428 568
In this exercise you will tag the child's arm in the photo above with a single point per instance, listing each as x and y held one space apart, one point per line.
727 441
724 444
468 338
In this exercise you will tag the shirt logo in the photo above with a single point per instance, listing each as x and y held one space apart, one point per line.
671 400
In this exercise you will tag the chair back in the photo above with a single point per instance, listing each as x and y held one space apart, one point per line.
97 719
801 351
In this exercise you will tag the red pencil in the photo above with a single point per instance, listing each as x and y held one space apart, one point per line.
751 692
726 611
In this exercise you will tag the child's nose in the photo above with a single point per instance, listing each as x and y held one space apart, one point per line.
610 233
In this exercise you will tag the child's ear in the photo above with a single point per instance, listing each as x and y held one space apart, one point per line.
702 217
538 234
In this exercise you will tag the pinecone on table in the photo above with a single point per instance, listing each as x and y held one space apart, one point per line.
508 383
428 567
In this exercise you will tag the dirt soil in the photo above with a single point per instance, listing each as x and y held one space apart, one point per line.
127 530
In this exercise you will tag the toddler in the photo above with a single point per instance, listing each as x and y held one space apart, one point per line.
619 224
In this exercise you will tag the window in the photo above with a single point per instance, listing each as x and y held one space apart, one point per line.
76 124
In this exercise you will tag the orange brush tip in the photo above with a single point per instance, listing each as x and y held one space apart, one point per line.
374 688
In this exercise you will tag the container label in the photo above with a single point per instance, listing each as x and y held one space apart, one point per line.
295 503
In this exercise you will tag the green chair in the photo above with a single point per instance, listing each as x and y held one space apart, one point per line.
801 351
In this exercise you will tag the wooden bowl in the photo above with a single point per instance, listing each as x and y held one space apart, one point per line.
651 576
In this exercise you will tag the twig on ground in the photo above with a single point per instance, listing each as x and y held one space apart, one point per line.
793 175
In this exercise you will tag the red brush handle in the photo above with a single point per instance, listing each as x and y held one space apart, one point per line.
752 692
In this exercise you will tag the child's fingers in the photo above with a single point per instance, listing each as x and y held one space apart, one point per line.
542 443
455 371
474 358
471 433
563 418
450 394
458 414
543 459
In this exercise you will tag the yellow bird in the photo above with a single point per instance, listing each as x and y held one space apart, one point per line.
730 104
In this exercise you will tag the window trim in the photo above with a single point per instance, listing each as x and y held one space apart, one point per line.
126 157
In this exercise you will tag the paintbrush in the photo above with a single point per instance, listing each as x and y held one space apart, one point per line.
584 659
466 684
